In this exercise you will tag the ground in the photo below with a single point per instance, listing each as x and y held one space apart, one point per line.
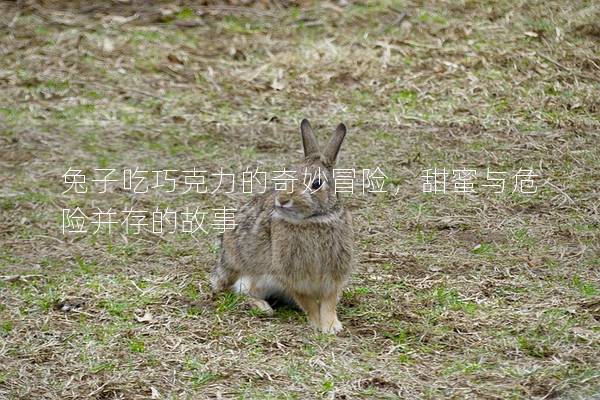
481 295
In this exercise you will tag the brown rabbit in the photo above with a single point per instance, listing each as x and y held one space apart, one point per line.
295 244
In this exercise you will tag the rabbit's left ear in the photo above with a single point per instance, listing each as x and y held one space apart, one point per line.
333 147
309 141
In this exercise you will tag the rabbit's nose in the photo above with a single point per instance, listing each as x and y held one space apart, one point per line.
285 203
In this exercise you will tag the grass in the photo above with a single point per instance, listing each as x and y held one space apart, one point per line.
480 295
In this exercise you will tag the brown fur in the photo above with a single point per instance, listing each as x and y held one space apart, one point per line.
298 245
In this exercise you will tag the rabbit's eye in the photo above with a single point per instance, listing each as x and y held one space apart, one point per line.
316 184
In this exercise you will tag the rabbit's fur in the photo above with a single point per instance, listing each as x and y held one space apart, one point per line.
295 244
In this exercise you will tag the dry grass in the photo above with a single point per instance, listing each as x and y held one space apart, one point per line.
479 296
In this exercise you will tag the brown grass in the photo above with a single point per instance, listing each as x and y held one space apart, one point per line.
457 296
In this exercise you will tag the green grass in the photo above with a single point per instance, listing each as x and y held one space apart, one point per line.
455 296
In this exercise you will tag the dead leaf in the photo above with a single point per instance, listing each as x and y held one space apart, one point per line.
174 59
278 82
70 304
236 54
147 317
107 45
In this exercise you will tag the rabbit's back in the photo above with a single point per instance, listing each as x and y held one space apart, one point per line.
247 248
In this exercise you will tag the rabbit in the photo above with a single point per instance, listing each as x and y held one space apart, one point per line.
297 244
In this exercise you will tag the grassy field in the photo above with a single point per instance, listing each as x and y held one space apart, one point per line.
481 295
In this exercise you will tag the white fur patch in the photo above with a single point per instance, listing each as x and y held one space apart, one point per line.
242 285
264 286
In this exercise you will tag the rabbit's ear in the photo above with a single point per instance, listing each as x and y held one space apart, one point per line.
309 141
333 147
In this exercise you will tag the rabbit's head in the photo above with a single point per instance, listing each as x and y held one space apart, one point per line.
312 197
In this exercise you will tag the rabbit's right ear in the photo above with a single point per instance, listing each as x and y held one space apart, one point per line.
333 147
309 141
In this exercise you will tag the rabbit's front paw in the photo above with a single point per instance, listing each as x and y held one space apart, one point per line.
332 327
